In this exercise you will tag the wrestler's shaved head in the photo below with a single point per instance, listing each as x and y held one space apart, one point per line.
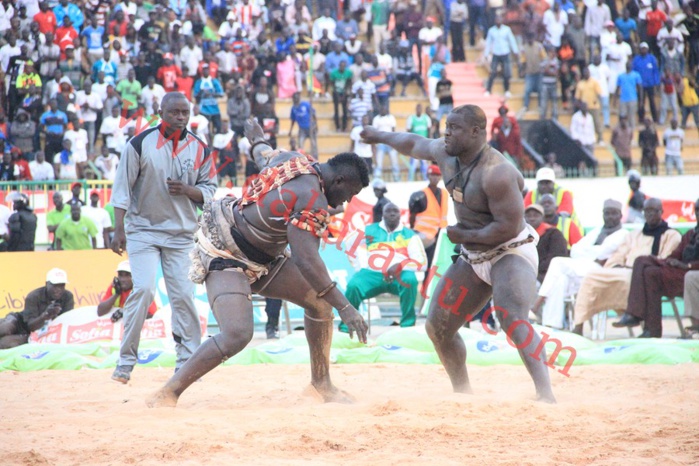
465 132
391 216
473 115
548 197
548 202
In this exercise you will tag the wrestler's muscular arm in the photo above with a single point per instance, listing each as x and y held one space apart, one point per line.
408 144
304 252
502 186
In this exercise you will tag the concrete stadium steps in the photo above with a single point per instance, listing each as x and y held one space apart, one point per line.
468 88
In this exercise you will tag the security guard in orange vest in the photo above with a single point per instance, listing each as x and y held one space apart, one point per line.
546 184
430 220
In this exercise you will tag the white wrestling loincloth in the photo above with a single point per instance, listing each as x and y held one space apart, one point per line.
483 261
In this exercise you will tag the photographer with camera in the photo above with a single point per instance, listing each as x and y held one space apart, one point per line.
118 291
40 306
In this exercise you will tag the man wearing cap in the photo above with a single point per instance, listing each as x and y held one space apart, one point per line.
100 218
40 306
433 219
546 184
551 241
647 66
117 292
378 272
608 287
565 274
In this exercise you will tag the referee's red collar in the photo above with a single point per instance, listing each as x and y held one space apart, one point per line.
183 133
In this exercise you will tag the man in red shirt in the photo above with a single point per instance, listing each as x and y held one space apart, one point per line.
168 73
65 36
211 63
118 291
46 18
655 19
184 83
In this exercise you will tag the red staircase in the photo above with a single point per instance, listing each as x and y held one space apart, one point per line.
468 88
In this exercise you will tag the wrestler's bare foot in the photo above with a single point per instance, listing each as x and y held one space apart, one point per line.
329 394
546 398
163 398
466 389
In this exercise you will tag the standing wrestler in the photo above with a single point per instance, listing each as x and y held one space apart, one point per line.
241 249
498 250
164 174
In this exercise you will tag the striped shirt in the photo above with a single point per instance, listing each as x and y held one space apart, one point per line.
357 109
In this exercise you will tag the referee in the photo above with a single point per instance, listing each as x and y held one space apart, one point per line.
164 174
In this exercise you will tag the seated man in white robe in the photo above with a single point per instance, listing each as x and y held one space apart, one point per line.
565 274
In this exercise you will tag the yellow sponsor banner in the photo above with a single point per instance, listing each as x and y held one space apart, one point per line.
89 275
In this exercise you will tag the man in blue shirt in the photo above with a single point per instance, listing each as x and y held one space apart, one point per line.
303 114
345 28
93 33
647 66
53 124
207 90
333 59
629 87
500 42
71 10
626 25
107 66
284 43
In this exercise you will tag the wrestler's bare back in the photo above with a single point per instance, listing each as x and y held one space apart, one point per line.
474 212
269 214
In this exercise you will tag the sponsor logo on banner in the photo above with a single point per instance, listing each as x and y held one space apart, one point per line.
153 329
146 356
37 355
50 334
100 329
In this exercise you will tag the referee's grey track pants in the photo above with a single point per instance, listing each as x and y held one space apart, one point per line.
144 258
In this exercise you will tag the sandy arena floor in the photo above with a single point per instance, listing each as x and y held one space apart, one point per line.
404 415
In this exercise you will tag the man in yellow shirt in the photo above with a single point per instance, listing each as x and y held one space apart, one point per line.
27 79
589 91
690 101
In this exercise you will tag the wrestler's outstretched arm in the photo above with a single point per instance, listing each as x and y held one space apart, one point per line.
408 144
501 185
